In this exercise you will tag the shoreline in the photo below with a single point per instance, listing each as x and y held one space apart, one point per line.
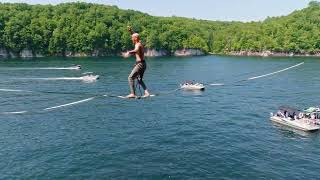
152 53
270 54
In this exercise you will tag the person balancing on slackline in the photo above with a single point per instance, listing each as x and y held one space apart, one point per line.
139 67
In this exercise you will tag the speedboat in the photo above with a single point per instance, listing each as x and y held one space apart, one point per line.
76 67
192 86
294 118
90 77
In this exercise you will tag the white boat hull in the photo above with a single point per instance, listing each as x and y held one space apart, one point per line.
192 87
301 124
90 78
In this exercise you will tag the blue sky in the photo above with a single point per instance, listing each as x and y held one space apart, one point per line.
227 10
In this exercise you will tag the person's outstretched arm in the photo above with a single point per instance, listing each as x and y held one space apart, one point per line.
136 49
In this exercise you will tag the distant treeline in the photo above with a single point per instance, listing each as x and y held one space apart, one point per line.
85 27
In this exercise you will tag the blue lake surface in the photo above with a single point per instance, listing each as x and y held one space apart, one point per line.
223 132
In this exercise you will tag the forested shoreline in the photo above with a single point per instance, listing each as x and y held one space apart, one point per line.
86 29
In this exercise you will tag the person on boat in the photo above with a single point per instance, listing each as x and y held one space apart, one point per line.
139 67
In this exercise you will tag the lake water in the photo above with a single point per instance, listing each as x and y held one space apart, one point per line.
223 132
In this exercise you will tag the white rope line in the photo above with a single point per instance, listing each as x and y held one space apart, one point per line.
261 76
276 72
69 104
50 108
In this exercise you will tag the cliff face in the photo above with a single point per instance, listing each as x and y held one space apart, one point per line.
188 52
3 53
180 52
27 53
155 53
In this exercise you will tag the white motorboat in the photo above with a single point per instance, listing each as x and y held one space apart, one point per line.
192 86
90 77
76 67
296 119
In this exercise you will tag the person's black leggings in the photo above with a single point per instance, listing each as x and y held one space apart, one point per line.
137 72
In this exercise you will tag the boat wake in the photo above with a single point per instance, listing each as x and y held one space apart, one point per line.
86 78
14 90
78 67
216 84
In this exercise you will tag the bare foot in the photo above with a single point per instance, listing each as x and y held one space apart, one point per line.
131 96
146 94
